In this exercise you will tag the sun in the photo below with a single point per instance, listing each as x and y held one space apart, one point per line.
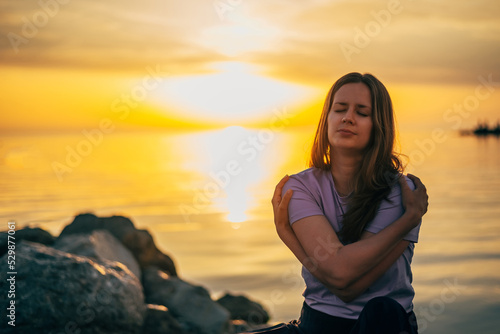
233 94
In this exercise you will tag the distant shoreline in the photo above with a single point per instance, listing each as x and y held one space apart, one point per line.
482 130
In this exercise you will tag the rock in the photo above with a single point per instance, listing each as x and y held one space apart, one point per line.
159 320
100 245
241 326
242 308
191 305
35 234
59 292
139 242
87 222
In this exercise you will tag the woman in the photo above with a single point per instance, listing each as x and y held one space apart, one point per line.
352 218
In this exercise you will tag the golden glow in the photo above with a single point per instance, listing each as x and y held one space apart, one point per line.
231 165
237 206
238 35
451 107
50 98
232 95
55 79
235 92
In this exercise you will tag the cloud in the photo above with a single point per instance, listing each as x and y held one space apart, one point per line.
423 41
111 35
419 41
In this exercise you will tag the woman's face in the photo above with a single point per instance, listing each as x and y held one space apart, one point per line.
350 118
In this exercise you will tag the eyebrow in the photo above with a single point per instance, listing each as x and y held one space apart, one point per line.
358 105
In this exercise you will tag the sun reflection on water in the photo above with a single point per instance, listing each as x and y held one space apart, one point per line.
234 165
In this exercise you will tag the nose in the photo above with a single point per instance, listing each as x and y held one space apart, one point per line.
349 116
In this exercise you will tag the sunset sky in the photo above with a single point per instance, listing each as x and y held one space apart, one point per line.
189 64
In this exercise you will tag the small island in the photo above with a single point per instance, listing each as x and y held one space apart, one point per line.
483 129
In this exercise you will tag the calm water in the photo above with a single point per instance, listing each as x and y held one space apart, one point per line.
205 197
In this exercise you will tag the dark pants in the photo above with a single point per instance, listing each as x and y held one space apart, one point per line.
381 315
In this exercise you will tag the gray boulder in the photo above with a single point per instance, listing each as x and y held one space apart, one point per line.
58 292
100 245
139 242
87 222
34 234
191 305
242 308
160 320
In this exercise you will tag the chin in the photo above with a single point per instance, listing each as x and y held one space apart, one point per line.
343 145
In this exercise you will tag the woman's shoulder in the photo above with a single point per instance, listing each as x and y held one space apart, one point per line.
312 184
311 174
311 179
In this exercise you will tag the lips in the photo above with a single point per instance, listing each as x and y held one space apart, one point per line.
346 131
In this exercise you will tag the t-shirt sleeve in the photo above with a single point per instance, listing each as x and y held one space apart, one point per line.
390 211
304 202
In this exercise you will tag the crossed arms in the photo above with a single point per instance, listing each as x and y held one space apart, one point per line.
348 270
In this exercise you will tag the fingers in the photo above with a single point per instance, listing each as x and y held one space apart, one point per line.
286 199
416 181
402 182
419 186
281 212
418 197
283 181
277 191
280 205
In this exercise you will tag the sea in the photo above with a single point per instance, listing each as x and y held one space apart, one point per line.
205 197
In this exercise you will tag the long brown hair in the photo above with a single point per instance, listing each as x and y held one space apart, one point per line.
380 165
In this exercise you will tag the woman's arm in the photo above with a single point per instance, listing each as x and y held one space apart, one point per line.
340 267
287 235
352 291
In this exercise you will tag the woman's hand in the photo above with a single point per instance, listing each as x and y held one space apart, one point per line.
415 202
280 208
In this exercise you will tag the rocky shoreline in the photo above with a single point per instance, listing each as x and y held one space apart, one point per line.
102 275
